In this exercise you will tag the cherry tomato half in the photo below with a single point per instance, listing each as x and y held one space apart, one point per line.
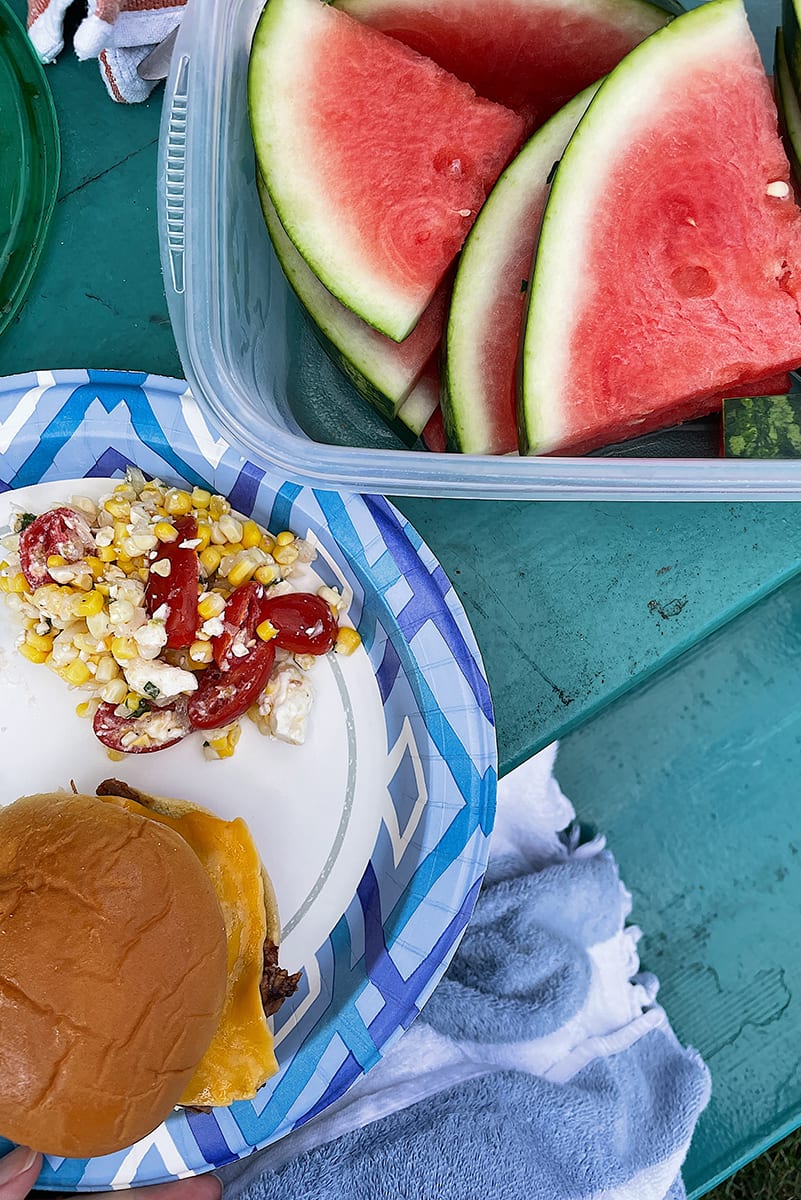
304 622
177 589
242 615
224 695
59 531
111 729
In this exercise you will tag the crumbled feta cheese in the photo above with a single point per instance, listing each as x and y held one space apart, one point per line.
150 639
286 703
213 627
168 681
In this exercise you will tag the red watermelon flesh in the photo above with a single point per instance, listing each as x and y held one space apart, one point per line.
529 55
482 335
433 435
376 160
682 274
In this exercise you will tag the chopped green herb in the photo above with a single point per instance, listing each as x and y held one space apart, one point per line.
142 708
25 520
152 691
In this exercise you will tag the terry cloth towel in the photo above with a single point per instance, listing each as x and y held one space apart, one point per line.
541 1067
118 33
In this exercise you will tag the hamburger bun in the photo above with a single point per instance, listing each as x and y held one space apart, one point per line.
113 973
138 967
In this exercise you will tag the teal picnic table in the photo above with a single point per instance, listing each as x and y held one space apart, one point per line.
661 642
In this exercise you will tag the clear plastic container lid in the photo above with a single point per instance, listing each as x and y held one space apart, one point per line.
30 159
258 371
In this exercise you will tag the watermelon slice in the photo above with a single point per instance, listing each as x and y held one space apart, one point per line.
376 159
483 331
382 371
530 55
669 262
423 401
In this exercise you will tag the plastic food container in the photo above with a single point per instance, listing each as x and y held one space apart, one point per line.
255 366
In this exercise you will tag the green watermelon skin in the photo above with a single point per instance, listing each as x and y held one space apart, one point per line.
762 427
529 55
481 346
669 263
376 160
383 372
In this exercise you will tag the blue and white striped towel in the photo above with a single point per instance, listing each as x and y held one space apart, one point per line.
541 1067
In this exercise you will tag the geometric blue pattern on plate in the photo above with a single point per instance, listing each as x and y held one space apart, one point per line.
392 945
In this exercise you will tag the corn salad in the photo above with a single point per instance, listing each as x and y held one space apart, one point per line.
88 613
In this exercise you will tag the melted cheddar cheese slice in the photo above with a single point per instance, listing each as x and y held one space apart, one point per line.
240 1057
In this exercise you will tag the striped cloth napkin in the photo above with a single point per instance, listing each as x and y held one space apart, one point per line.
118 33
542 1067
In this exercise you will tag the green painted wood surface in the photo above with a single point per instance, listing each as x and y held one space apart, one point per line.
696 781
572 605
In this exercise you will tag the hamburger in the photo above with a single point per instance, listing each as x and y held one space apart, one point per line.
138 967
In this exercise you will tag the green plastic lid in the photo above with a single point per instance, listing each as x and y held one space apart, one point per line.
29 162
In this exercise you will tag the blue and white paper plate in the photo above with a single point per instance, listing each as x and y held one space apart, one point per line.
414 792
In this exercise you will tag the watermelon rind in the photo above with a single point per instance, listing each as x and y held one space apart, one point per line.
788 106
421 403
376 189
373 363
625 103
472 419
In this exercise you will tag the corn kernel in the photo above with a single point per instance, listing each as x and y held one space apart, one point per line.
132 701
115 691
123 649
120 612
347 641
32 654
5 583
55 560
210 558
200 497
285 538
254 714
89 605
203 536
251 535
211 606
39 641
77 673
87 708
201 652
267 543
177 502
18 583
266 631
285 554
117 508
106 554
95 565
120 532
266 574
218 507
224 746
107 670
165 532
115 755
231 528
241 572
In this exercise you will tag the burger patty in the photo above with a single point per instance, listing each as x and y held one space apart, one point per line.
276 984
116 787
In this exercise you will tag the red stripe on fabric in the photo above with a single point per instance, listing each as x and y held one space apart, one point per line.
112 82
35 10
